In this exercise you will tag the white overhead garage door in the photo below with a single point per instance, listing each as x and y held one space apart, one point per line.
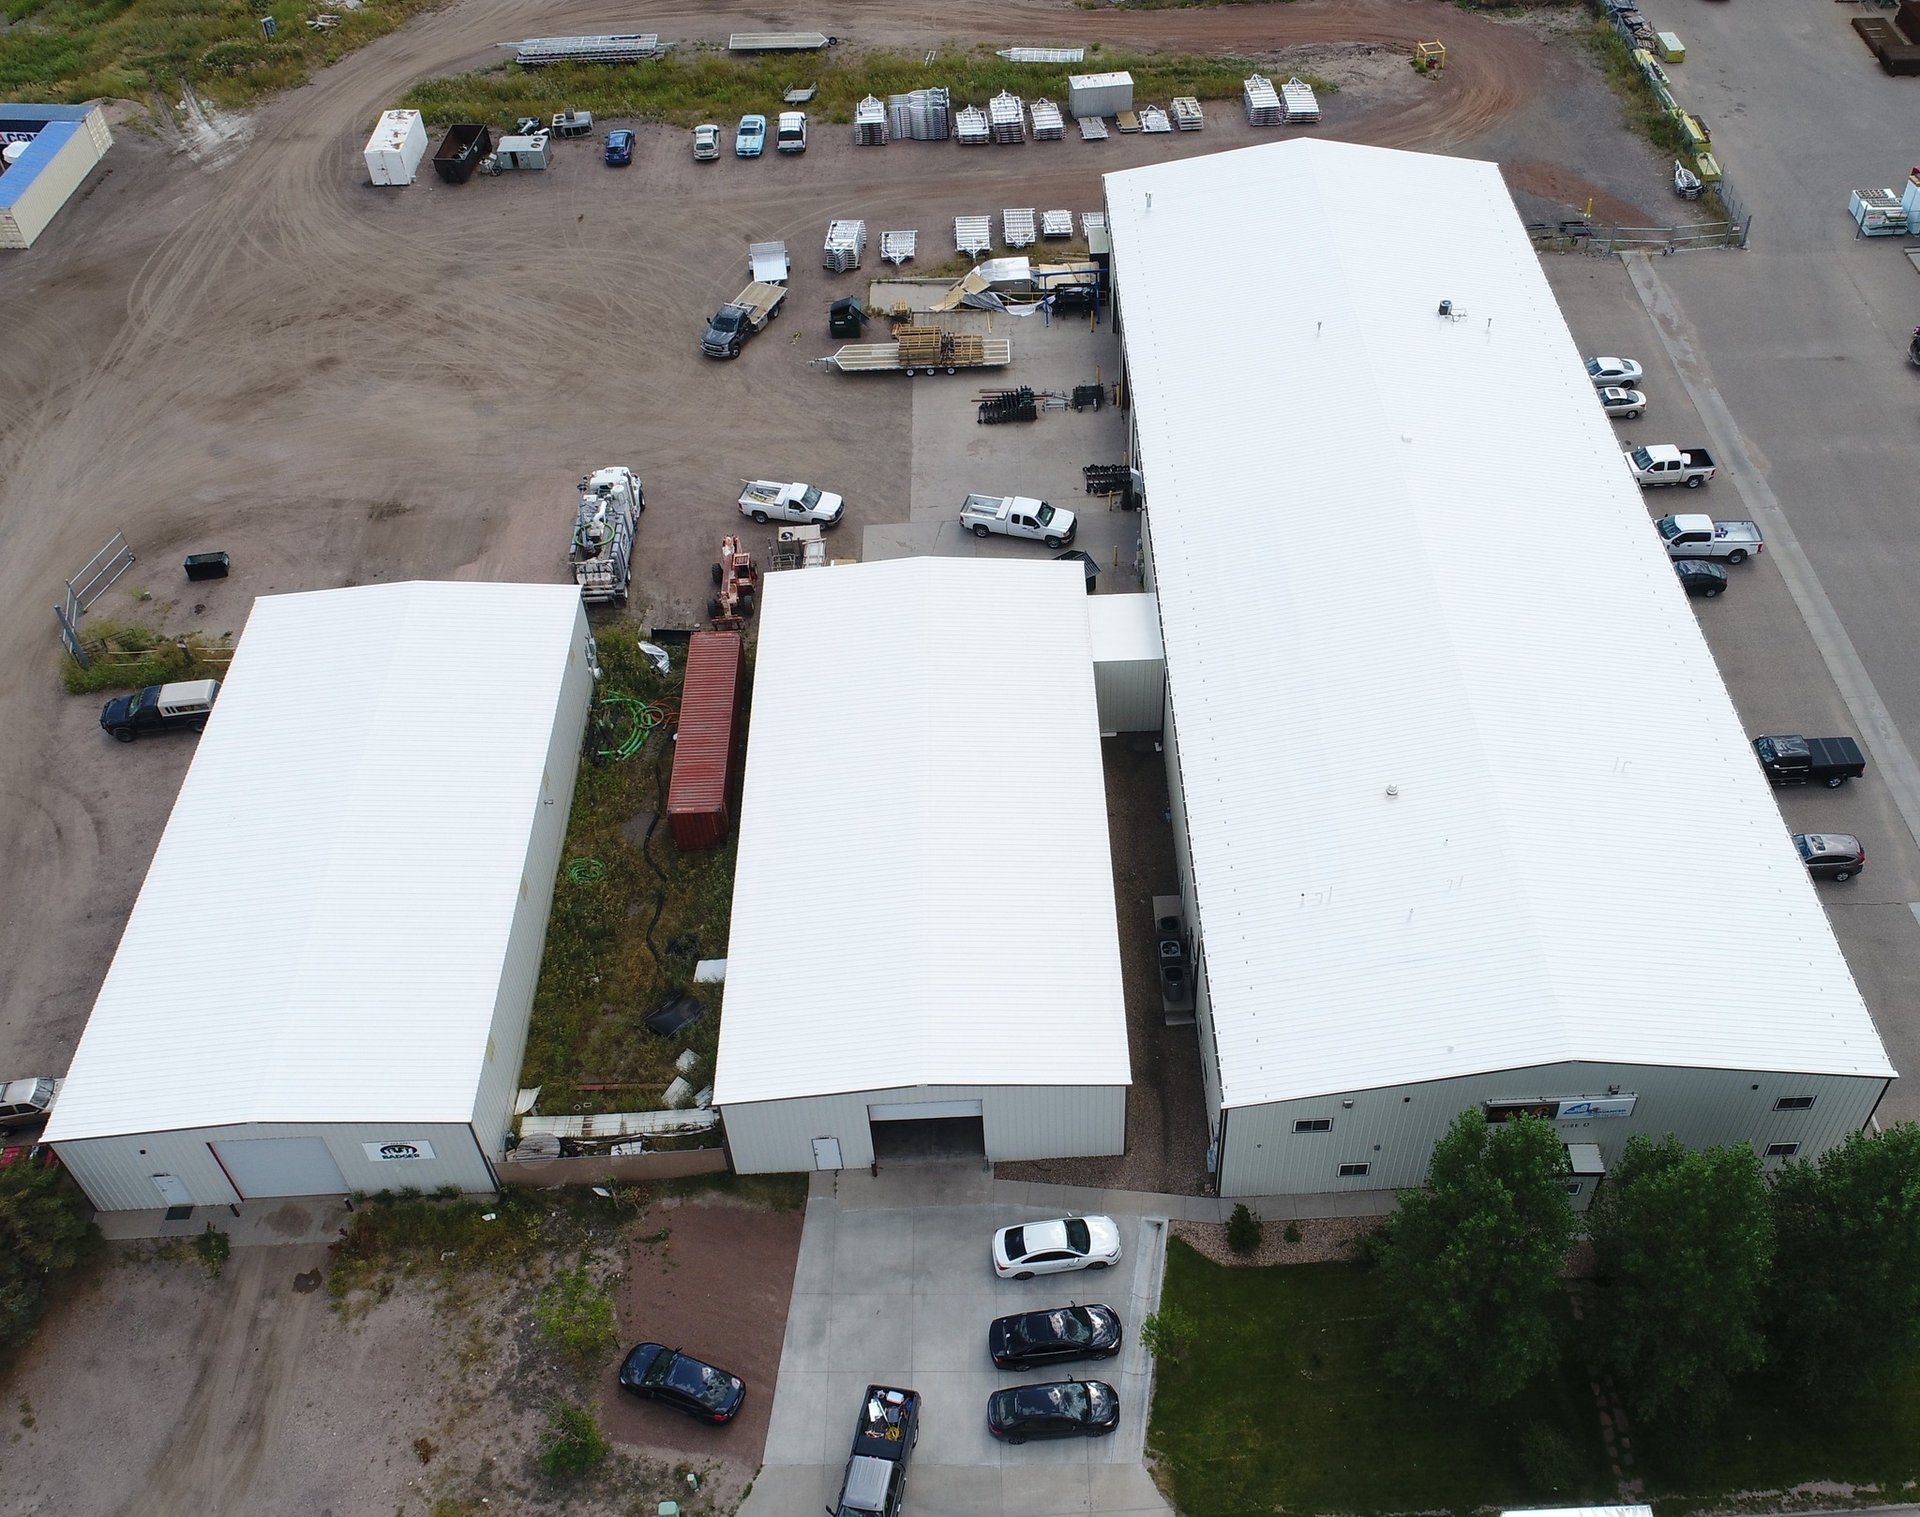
920 1111
280 1167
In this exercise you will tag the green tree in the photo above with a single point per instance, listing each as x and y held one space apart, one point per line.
45 1231
1472 1262
1846 1280
1685 1244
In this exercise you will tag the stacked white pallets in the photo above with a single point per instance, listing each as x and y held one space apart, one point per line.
1047 125
1092 128
1299 101
1186 113
973 234
870 123
846 241
1007 117
921 116
1017 225
1091 222
897 247
1153 119
1263 102
970 126
1056 223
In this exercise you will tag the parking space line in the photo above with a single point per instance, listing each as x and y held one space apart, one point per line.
1892 757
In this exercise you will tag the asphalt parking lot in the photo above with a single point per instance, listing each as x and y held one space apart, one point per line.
894 1287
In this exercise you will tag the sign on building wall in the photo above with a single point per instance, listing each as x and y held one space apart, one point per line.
398 1153
1565 1109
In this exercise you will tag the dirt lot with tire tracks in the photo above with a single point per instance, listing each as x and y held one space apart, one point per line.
251 349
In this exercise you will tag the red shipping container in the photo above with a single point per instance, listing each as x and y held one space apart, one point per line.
707 752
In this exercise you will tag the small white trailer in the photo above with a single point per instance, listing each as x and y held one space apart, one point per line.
769 262
396 147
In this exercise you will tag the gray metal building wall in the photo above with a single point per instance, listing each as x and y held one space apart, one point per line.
1393 1129
1020 1122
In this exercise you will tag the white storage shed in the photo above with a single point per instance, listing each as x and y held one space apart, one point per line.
47 152
1099 94
924 928
325 983
1129 666
1425 834
396 147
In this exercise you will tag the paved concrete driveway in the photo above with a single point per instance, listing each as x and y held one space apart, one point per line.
894 1287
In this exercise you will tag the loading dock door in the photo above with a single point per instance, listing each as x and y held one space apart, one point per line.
280 1167
910 1131
921 1111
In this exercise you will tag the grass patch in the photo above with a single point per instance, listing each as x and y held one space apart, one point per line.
689 85
67 51
576 1315
1642 109
1282 1403
632 915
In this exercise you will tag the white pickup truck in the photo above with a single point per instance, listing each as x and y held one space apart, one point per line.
1017 516
770 500
1661 463
1703 537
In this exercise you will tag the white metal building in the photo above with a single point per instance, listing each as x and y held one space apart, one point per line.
325 983
923 911
46 153
1425 799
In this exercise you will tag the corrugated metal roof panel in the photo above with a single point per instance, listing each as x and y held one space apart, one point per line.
322 929
1124 628
924 893
1432 802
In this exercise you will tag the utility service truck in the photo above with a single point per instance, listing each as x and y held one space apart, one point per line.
604 522
1017 516
737 320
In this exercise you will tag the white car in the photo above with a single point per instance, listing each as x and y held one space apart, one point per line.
24 1101
706 143
1613 371
1622 403
1052 1247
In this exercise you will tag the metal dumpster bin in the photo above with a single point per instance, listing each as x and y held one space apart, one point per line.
207 565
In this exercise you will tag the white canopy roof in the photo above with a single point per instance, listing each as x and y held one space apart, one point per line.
924 893
1464 788
322 931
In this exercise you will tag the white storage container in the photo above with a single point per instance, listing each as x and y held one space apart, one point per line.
1099 94
396 147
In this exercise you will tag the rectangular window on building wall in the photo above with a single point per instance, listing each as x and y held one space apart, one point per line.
1782 1150
1353 1171
1314 1124
1793 1103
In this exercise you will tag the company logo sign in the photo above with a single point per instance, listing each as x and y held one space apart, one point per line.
398 1153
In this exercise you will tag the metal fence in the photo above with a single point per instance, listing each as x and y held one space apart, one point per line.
86 587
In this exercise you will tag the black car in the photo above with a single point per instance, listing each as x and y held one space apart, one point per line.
1055 1336
657 1373
1059 1409
1700 576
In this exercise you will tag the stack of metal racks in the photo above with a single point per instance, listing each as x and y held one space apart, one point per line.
1263 102
1007 117
897 247
1299 101
846 241
1017 225
1186 113
921 116
870 123
1092 128
970 126
973 234
1091 222
1153 119
1056 223
618 47
1047 125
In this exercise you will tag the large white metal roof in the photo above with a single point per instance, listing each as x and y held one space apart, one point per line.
1400 552
321 934
924 893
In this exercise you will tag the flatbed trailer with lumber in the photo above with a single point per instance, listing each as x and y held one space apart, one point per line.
960 352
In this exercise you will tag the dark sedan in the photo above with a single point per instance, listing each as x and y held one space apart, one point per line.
1055 1336
654 1372
1061 1409
620 148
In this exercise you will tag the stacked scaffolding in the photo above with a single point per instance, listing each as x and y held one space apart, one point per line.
929 347
921 116
1043 54
973 235
998 406
1007 117
1153 119
1263 102
846 241
897 247
1091 222
870 123
1299 101
1092 128
1017 224
618 47
1047 125
1186 113
970 126
1056 223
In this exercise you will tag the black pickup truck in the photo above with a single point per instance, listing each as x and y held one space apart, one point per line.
876 1478
180 707
1795 760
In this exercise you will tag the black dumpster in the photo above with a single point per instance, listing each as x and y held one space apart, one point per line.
845 317
1089 565
208 565
461 150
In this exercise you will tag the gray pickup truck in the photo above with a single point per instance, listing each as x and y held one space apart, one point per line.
876 1480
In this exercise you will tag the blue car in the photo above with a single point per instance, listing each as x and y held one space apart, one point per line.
620 148
751 138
